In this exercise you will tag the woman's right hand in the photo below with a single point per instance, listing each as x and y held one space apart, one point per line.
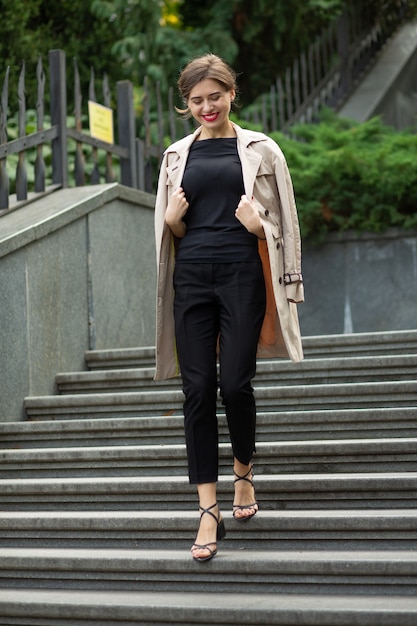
176 209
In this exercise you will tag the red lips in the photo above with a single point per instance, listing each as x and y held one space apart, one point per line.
210 118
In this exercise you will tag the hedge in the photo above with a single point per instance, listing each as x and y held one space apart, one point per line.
346 175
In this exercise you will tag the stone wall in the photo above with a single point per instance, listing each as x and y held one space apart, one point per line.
77 272
361 283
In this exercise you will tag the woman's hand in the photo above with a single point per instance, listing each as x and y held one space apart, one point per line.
248 216
176 209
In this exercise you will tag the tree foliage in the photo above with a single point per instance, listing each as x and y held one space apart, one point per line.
268 35
30 28
151 38
155 38
351 176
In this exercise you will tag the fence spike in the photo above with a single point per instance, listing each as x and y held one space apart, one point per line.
4 106
79 162
281 108
21 172
311 68
40 162
95 173
160 118
296 83
273 108
4 178
110 177
171 115
264 113
126 133
147 146
304 85
40 77
288 92
91 86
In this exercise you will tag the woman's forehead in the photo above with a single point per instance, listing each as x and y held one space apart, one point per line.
206 87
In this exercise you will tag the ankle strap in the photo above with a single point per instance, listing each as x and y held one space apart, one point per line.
245 477
209 512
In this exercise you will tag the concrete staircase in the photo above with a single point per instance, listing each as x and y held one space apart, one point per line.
97 517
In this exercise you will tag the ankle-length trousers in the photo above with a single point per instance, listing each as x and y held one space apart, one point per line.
218 308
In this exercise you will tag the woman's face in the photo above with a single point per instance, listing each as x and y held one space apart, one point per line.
209 104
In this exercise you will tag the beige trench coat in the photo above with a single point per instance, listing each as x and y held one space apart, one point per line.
267 180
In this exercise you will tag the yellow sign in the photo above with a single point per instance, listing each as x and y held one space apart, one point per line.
101 121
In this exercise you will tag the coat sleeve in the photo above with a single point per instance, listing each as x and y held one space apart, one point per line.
161 204
293 278
166 365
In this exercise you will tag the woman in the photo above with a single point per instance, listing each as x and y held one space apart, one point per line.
229 275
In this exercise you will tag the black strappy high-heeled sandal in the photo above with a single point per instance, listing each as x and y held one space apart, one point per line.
220 534
254 505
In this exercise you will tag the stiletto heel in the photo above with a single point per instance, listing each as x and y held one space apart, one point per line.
254 505
220 534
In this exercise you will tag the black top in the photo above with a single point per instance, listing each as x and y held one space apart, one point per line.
213 186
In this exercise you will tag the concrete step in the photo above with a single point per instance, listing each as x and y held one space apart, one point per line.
271 398
347 456
154 430
374 343
89 516
269 372
120 357
381 572
382 490
39 607
175 530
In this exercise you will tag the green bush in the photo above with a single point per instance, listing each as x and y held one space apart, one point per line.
347 175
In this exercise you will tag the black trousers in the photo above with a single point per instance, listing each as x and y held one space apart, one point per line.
225 303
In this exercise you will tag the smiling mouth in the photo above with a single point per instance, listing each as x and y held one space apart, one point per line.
211 118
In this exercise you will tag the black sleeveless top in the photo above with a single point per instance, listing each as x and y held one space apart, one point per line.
213 186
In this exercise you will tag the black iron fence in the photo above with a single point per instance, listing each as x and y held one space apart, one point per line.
324 74
58 133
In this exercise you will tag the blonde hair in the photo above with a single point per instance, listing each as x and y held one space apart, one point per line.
206 66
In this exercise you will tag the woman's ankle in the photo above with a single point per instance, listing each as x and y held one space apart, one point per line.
241 469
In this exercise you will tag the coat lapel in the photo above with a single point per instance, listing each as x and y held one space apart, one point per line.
175 172
177 156
249 159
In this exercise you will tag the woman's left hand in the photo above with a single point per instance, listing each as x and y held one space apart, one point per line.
248 216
